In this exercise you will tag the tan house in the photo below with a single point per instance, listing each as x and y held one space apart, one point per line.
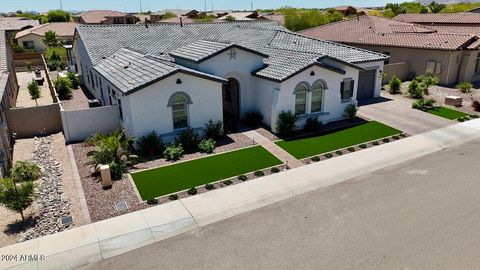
12 24
33 38
413 49
105 17
350 10
8 97
185 14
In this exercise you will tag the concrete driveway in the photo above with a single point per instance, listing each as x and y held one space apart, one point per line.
396 111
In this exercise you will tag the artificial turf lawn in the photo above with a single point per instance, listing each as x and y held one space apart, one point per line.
365 132
446 113
169 179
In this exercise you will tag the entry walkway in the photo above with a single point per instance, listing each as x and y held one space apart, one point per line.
105 239
274 149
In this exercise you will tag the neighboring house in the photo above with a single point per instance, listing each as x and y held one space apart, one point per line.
280 18
213 71
33 38
349 10
8 97
104 17
439 19
220 70
475 10
413 49
183 13
241 16
13 24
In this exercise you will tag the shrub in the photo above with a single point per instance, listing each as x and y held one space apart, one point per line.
258 173
375 143
173 197
426 81
394 84
29 65
173 152
207 145
213 130
403 135
188 139
74 79
328 155
474 116
351 149
16 197
385 140
465 87
242 177
414 90
315 159
34 91
209 187
23 171
476 105
274 170
423 104
192 191
351 110
152 201
227 182
396 137
286 123
112 150
63 87
253 118
363 146
461 119
150 144
338 152
54 59
312 124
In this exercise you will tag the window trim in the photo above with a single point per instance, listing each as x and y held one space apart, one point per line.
322 89
351 90
185 103
476 68
305 92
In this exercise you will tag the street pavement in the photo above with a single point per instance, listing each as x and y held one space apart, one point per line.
421 214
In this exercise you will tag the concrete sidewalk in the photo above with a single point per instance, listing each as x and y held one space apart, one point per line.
105 239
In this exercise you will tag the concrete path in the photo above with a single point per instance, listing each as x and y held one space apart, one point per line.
421 214
111 237
396 111
24 99
274 149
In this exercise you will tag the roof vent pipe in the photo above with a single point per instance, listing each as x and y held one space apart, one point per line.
146 23
181 22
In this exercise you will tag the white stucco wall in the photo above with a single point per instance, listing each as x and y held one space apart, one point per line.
38 41
147 110
333 107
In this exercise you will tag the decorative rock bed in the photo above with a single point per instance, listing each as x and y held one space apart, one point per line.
52 202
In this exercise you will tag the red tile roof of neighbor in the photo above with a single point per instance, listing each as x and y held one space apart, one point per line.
450 18
372 30
62 29
98 16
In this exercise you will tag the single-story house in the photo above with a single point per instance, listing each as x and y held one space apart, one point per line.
33 38
8 97
184 13
105 17
413 49
445 19
241 16
350 10
169 77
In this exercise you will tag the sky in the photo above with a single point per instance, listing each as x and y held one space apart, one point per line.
155 5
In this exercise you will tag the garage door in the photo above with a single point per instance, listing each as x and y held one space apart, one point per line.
366 84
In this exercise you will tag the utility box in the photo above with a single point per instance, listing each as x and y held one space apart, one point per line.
106 176
453 101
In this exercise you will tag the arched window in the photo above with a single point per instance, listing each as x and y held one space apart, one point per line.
477 64
179 103
301 98
317 96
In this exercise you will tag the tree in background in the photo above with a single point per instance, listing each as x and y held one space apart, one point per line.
414 7
16 197
58 16
34 91
230 18
396 8
51 39
168 15
300 19
435 7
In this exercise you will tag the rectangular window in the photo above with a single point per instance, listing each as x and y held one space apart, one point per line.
317 101
477 66
179 112
346 89
300 102
438 68
430 67
120 108
29 44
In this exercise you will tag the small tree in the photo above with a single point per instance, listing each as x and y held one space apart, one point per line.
394 84
24 171
51 39
435 7
414 90
58 16
16 197
286 123
72 76
34 91
426 80
29 65
63 87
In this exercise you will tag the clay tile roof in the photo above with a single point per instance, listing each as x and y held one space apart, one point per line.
62 29
16 23
451 18
372 30
98 16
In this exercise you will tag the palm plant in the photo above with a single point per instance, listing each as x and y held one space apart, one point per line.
112 150
435 7
396 8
